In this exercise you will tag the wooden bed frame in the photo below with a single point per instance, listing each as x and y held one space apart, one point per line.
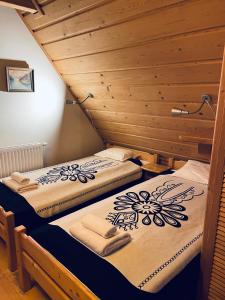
7 226
34 262
7 219
37 264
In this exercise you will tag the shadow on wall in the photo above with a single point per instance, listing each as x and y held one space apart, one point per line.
76 137
9 63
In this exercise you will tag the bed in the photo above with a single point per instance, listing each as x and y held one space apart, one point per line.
164 216
61 188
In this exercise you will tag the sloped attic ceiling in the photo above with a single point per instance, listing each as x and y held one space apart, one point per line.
139 58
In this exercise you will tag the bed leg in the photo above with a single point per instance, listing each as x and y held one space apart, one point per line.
25 282
10 241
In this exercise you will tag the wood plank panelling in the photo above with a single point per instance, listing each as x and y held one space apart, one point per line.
126 34
217 280
58 10
169 135
178 73
194 127
113 12
163 93
139 59
147 107
20 5
213 248
178 149
177 49
184 49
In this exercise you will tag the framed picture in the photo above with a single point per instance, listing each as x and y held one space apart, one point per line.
20 79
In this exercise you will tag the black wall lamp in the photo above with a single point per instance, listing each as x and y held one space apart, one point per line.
206 99
77 101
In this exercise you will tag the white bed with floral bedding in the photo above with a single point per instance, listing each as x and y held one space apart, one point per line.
67 185
164 217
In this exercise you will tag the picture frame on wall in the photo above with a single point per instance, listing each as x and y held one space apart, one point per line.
20 79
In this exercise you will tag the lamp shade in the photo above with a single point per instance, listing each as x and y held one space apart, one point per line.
177 111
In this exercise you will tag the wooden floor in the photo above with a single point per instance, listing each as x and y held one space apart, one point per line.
9 289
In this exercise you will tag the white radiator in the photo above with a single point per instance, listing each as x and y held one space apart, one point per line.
21 158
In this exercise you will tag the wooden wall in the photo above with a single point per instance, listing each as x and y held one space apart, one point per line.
213 246
139 58
217 279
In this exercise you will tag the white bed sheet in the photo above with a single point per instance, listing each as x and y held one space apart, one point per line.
164 216
66 185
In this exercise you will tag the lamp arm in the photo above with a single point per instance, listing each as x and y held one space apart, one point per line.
88 96
196 111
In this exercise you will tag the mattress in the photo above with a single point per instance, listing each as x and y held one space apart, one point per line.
67 185
164 216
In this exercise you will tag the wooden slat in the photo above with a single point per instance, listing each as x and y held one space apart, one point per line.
156 133
51 288
222 209
218 278
220 243
215 294
202 128
147 107
176 50
221 225
223 198
221 228
219 261
59 10
183 73
220 238
153 144
194 139
220 232
216 290
222 205
215 286
219 253
213 297
20 5
167 93
222 214
44 2
111 13
119 35
219 271
222 219
69 283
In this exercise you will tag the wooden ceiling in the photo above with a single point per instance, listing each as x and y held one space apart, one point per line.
23 5
139 58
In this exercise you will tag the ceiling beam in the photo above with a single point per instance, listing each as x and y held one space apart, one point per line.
24 5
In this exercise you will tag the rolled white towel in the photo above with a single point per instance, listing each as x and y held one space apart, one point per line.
20 178
20 188
98 225
97 243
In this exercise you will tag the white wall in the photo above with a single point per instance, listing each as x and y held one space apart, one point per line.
41 116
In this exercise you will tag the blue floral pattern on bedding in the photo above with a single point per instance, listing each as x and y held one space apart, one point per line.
156 207
74 172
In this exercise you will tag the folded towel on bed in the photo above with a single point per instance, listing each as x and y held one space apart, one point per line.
98 225
20 188
98 244
20 178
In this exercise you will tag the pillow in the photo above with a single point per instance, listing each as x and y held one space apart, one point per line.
120 154
195 171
